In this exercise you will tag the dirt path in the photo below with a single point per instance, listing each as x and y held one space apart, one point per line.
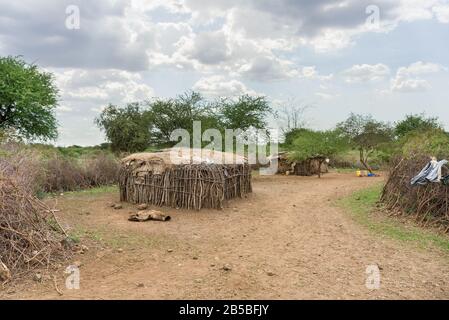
286 241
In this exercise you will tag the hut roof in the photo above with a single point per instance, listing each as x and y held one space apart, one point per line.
181 156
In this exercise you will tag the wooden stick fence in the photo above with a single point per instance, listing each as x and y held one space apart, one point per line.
428 205
189 186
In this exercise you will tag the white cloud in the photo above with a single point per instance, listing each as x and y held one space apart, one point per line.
409 79
263 68
401 84
219 86
366 72
331 39
420 68
442 13
310 72
413 10
81 89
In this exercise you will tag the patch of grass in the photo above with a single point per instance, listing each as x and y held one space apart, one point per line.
90 191
96 190
79 233
362 207
83 192
75 238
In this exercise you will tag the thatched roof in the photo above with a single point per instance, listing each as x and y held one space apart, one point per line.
158 161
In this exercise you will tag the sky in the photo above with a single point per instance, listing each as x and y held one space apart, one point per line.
385 58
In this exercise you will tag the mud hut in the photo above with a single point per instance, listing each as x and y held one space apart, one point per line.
307 167
184 178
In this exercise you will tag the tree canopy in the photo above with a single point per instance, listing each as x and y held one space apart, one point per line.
245 112
433 142
179 113
128 128
139 125
28 98
366 135
416 122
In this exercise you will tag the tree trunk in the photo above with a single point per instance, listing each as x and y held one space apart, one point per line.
319 169
364 161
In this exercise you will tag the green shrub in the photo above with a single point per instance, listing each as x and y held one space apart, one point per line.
433 142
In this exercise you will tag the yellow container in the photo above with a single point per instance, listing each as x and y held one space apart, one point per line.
358 173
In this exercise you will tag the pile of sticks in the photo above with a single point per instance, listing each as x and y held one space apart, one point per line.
189 186
30 236
428 205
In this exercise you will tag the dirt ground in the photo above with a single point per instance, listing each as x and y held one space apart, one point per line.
287 240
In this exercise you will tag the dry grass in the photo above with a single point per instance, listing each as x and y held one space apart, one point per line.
68 174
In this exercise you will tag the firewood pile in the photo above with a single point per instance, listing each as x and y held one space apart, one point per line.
427 204
30 235
158 179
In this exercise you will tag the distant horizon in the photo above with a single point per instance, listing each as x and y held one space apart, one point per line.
388 59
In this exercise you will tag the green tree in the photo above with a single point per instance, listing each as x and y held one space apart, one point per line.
180 113
432 142
291 135
128 128
245 112
416 122
160 117
28 98
365 134
319 145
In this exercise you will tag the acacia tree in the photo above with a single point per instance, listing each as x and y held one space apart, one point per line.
128 128
365 134
28 98
180 113
138 125
245 112
319 145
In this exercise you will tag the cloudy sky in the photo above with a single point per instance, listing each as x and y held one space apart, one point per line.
388 58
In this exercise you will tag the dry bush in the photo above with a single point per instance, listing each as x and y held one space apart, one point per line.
30 235
63 174
22 164
101 170
28 238
68 174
